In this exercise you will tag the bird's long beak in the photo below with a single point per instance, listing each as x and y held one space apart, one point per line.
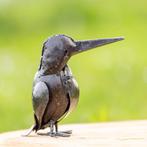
90 44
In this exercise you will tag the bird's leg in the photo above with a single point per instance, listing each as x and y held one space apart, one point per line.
52 133
56 133
62 133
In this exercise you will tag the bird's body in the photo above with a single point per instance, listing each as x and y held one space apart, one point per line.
60 98
55 90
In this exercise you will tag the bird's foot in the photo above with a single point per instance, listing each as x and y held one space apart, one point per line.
61 134
57 134
64 133
54 131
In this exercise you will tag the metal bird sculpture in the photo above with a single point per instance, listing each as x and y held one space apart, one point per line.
55 90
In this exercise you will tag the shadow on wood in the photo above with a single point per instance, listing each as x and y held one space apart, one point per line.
127 133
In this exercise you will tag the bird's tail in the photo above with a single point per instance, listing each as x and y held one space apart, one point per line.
33 127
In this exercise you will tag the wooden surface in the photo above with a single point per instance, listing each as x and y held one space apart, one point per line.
114 134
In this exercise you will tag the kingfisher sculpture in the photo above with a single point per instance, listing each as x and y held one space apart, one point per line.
55 90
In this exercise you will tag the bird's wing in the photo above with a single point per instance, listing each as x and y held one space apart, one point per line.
40 100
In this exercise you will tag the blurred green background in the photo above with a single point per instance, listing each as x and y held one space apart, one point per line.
112 79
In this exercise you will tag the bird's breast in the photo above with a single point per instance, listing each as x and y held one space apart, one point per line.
58 100
71 87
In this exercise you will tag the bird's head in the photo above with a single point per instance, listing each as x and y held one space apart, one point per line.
58 49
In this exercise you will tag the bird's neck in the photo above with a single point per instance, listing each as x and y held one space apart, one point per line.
44 70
